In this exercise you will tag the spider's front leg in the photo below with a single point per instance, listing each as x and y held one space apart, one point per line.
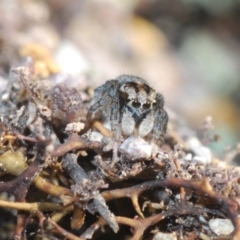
159 130
161 121
160 126
114 117
101 104
106 108
114 121
95 112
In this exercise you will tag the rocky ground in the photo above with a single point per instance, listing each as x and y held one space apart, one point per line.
58 177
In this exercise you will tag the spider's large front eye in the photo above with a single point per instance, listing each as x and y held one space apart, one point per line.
136 104
146 106
154 104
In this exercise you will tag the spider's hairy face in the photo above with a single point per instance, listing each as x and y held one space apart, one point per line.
138 97
132 107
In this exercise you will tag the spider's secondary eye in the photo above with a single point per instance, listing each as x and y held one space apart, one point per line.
146 106
136 104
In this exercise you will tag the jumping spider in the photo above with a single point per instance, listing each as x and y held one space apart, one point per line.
132 107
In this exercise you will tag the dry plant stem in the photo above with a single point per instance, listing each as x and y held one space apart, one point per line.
32 207
101 222
25 76
19 186
203 236
63 232
104 211
115 158
21 218
59 215
182 195
144 223
139 225
78 217
136 206
78 174
14 163
75 142
229 206
177 164
104 131
20 136
64 193
74 170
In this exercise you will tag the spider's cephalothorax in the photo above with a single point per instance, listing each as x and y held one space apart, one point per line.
131 106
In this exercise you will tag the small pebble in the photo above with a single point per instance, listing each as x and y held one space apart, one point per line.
165 236
221 226
202 153
135 148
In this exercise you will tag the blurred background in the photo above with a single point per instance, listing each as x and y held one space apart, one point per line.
189 50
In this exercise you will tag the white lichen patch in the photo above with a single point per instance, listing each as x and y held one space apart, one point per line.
165 236
221 226
135 148
74 127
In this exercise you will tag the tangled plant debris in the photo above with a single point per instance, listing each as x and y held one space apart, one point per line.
71 177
